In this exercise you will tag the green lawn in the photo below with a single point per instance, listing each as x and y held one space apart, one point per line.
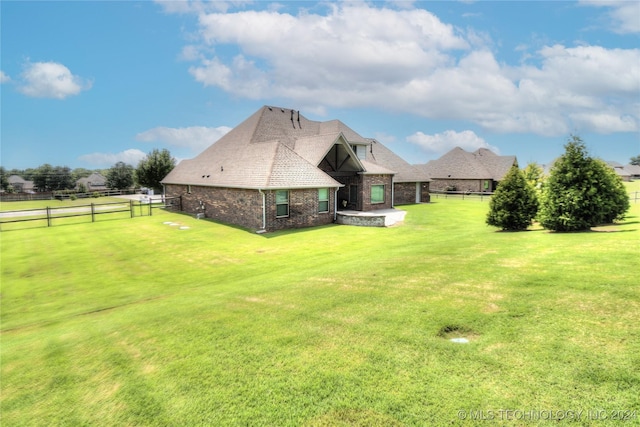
137 322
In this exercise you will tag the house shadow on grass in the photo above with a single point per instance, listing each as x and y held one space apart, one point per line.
267 235
289 231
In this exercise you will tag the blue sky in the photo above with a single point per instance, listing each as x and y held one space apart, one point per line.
88 84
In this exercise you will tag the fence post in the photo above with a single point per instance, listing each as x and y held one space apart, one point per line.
48 216
150 208
131 207
93 213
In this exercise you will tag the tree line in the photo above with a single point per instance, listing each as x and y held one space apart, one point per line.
580 192
121 176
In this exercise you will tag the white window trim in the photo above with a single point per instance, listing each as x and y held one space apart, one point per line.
277 204
328 200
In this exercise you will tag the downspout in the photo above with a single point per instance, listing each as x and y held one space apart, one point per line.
335 205
264 212
392 191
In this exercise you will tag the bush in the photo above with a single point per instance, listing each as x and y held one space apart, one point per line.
581 192
95 194
514 203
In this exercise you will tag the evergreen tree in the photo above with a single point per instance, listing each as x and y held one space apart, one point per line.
614 200
581 192
153 168
514 203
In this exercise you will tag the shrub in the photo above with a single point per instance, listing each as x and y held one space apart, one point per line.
514 203
581 192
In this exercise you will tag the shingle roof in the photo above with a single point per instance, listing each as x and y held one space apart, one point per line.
404 172
632 169
280 148
460 164
619 169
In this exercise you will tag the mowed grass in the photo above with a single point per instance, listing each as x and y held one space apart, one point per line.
136 322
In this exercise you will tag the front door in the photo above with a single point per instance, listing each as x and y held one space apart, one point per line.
353 196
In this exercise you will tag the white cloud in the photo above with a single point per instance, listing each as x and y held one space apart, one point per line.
4 78
604 122
50 80
131 156
309 53
193 6
359 55
445 141
196 138
624 15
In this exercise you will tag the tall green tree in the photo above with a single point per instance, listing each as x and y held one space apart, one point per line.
534 174
153 168
43 178
62 179
514 204
635 160
120 176
581 192
4 178
52 178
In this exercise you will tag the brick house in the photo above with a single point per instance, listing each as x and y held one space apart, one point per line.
20 185
459 170
94 182
279 170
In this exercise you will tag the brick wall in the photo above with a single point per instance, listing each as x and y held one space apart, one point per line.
404 193
244 207
303 210
367 182
229 205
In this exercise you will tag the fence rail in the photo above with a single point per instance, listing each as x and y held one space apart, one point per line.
471 195
60 195
142 207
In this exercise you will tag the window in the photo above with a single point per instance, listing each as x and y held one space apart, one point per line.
323 200
361 151
377 194
282 203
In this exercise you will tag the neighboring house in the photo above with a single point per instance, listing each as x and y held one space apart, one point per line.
279 170
459 170
633 170
94 182
20 185
620 170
